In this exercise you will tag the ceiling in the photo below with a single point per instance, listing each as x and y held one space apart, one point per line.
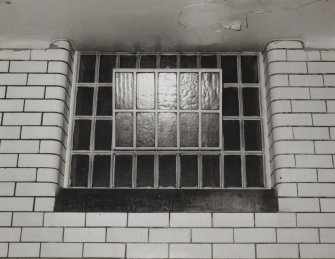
166 25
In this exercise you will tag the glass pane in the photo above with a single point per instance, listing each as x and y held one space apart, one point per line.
167 171
189 91
167 129
107 64
189 171
145 129
79 171
123 171
124 90
188 61
105 101
168 61
230 101
124 129
249 69
250 101
128 61
254 168
211 171
84 101
101 171
210 90
231 135
189 129
145 91
87 68
210 129
167 91
229 69
148 61
208 61
232 171
252 135
103 134
145 171
81 135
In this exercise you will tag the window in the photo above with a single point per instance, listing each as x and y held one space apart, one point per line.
167 120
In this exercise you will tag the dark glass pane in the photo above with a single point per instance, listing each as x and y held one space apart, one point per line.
107 64
168 61
81 135
103 135
79 170
250 101
128 61
229 69
145 171
232 171
254 168
148 61
188 61
249 69
105 101
189 171
208 62
252 135
101 171
167 171
84 101
211 171
231 135
87 68
123 171
230 101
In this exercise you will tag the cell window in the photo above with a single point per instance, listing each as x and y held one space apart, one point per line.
84 102
101 171
188 170
81 135
145 91
210 88
167 91
124 129
210 130
188 61
145 129
232 171
250 101
230 101
168 61
189 129
79 171
167 170
128 61
229 69
123 171
249 66
231 135
148 61
103 135
105 101
254 171
189 91
167 129
252 135
145 171
208 61
124 90
211 171
107 64
87 68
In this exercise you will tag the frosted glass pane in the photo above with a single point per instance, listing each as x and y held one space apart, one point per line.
145 91
124 129
124 90
167 91
210 129
145 129
210 91
189 125
189 91
167 130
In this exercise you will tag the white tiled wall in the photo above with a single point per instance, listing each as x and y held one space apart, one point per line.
35 87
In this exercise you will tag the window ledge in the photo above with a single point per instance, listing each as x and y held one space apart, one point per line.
166 200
